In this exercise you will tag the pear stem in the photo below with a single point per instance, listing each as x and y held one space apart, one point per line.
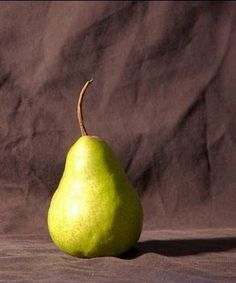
79 109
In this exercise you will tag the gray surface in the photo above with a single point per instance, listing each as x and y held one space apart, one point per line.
160 256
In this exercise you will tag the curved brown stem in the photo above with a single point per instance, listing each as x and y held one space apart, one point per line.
79 109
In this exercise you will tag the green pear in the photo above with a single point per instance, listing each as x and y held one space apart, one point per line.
94 211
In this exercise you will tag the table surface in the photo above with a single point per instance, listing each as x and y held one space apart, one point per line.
160 256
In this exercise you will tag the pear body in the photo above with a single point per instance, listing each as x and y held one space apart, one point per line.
94 211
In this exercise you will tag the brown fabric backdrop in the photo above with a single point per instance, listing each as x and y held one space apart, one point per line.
163 97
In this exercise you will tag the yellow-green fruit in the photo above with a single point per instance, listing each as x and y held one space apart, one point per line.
95 211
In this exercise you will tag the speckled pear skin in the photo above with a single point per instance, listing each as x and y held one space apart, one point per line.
95 211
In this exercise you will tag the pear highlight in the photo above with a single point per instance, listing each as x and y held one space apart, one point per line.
95 211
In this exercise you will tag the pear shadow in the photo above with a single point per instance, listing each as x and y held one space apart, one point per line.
181 247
